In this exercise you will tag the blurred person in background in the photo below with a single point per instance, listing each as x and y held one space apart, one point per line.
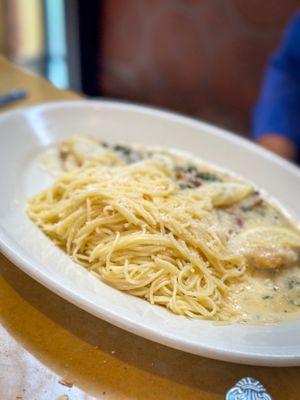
201 58
276 116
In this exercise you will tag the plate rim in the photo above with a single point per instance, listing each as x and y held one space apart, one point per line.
30 266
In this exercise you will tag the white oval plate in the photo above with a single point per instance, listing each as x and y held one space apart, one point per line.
25 133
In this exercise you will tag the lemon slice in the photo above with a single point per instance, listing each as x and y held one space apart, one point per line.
270 235
226 193
84 148
268 247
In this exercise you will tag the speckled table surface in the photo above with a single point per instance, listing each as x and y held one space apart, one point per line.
50 349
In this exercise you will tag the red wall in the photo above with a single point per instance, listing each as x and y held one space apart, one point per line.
204 58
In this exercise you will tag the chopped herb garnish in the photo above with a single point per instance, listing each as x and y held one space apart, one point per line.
245 209
127 154
122 149
190 177
208 176
292 283
64 154
266 297
186 185
191 169
294 302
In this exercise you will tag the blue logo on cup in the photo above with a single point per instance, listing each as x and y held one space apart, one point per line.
248 389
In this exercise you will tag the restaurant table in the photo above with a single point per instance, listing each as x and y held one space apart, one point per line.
50 349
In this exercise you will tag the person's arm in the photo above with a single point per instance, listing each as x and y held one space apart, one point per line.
276 116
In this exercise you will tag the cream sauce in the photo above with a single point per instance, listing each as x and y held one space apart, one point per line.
269 296
266 295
